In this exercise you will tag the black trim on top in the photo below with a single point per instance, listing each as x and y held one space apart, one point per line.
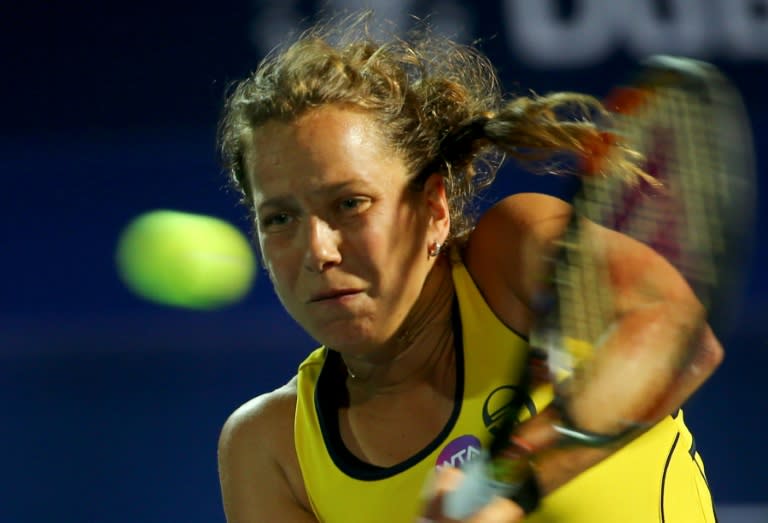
331 393
692 452
664 476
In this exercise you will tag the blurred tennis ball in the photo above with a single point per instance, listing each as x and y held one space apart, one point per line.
185 260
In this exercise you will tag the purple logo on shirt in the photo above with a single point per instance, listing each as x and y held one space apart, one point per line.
459 452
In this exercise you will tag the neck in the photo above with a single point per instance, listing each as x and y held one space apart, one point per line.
421 350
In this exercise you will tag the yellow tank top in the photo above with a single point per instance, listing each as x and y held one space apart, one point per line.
658 477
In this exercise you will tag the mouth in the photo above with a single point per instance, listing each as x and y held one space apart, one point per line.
332 294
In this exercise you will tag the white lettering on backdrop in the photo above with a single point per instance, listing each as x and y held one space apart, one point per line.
705 28
539 35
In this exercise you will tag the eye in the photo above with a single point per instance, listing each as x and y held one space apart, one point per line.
274 221
354 205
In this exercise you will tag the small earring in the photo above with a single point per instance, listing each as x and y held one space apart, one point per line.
434 249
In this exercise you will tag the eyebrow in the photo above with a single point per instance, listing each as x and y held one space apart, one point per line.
277 201
288 200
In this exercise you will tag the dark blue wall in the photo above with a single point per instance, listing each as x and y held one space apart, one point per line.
112 405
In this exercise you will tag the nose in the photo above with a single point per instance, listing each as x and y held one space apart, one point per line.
322 248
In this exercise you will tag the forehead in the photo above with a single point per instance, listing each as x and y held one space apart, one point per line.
329 145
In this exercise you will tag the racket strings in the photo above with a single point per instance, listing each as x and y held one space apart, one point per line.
683 221
675 132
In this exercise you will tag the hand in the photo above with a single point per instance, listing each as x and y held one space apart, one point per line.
500 510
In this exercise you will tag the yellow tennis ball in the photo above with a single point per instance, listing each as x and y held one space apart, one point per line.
185 260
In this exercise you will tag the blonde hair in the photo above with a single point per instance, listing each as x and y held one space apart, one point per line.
438 104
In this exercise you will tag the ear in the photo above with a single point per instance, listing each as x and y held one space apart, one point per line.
437 205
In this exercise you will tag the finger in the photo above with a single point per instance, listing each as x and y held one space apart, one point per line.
446 480
500 510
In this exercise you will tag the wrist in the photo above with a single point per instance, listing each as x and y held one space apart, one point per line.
571 433
515 466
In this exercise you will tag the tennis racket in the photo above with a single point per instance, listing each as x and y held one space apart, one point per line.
691 202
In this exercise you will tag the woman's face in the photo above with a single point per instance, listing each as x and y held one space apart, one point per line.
343 237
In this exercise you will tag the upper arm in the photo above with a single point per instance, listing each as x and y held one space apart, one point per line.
657 324
510 251
256 467
514 240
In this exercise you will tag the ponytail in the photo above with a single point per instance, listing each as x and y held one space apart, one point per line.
536 131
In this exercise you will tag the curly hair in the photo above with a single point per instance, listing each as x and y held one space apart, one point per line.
438 104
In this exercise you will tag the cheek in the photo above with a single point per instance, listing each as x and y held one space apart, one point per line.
386 235
407 231
281 267
396 242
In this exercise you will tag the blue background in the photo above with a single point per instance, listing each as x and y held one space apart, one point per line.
111 405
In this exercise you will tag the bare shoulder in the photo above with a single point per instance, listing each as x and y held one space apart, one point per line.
263 414
258 469
524 214
506 251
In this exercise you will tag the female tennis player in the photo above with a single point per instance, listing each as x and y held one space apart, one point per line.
359 161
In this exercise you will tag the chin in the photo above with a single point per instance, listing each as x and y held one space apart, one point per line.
347 343
346 338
